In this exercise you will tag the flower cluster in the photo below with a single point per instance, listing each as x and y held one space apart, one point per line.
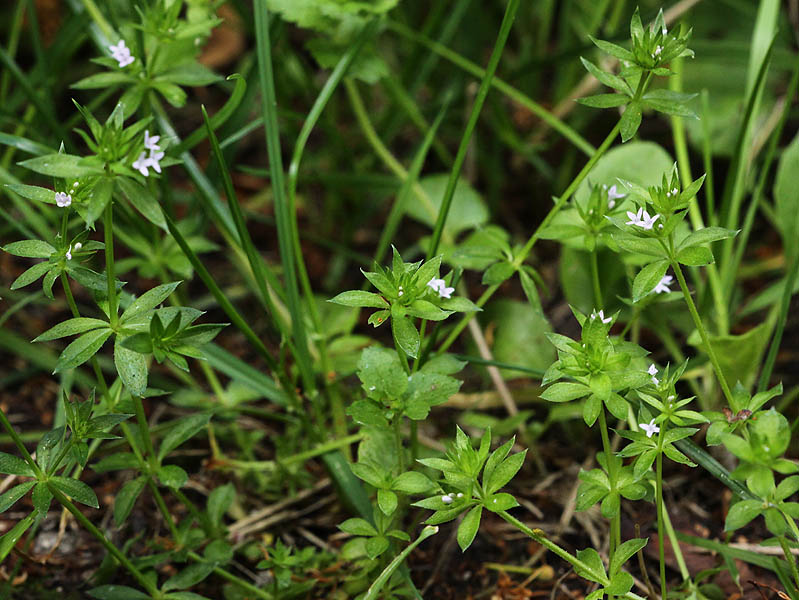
642 219
440 286
144 162
121 54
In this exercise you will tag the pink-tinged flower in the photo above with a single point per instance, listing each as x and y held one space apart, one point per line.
446 499
440 286
635 218
121 53
62 199
151 141
602 317
648 222
650 428
142 164
653 370
613 195
663 285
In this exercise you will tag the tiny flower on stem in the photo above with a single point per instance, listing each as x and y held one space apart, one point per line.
663 285
151 141
653 370
613 195
602 317
440 286
142 164
63 199
121 53
650 428
446 499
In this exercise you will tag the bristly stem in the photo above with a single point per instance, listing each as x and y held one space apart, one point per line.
615 522
702 331
108 231
659 508
595 280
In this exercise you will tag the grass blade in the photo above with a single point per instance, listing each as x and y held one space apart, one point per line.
283 208
460 157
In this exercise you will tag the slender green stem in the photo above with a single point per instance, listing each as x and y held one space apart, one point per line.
108 232
786 550
145 582
20 445
144 427
702 331
659 508
98 18
514 94
595 280
460 157
301 457
610 458
162 508
785 303
525 251
282 201
398 441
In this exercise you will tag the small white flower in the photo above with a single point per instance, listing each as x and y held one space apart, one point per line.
74 185
614 195
664 31
62 199
151 141
657 51
77 246
648 222
154 159
436 284
460 494
674 192
602 317
446 499
635 217
663 285
652 370
121 54
142 164
650 428
440 286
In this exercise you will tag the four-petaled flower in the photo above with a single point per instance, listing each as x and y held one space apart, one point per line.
63 199
613 195
663 285
440 286
650 428
121 54
641 219
602 317
151 141
142 164
653 370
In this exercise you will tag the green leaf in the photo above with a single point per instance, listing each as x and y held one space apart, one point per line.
148 301
593 570
423 309
608 79
143 200
82 349
358 526
102 80
604 100
218 551
71 327
630 121
741 513
183 430
126 499
670 102
648 278
695 256
12 465
500 502
188 577
131 367
412 482
381 373
468 210
219 501
786 200
387 501
625 551
360 299
467 530
613 49
172 476
9 498
30 275
32 192
190 74
366 412
498 273
406 335
566 391
505 472
591 408
75 489
620 584
376 546
10 539
66 166
117 592
30 249
707 235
